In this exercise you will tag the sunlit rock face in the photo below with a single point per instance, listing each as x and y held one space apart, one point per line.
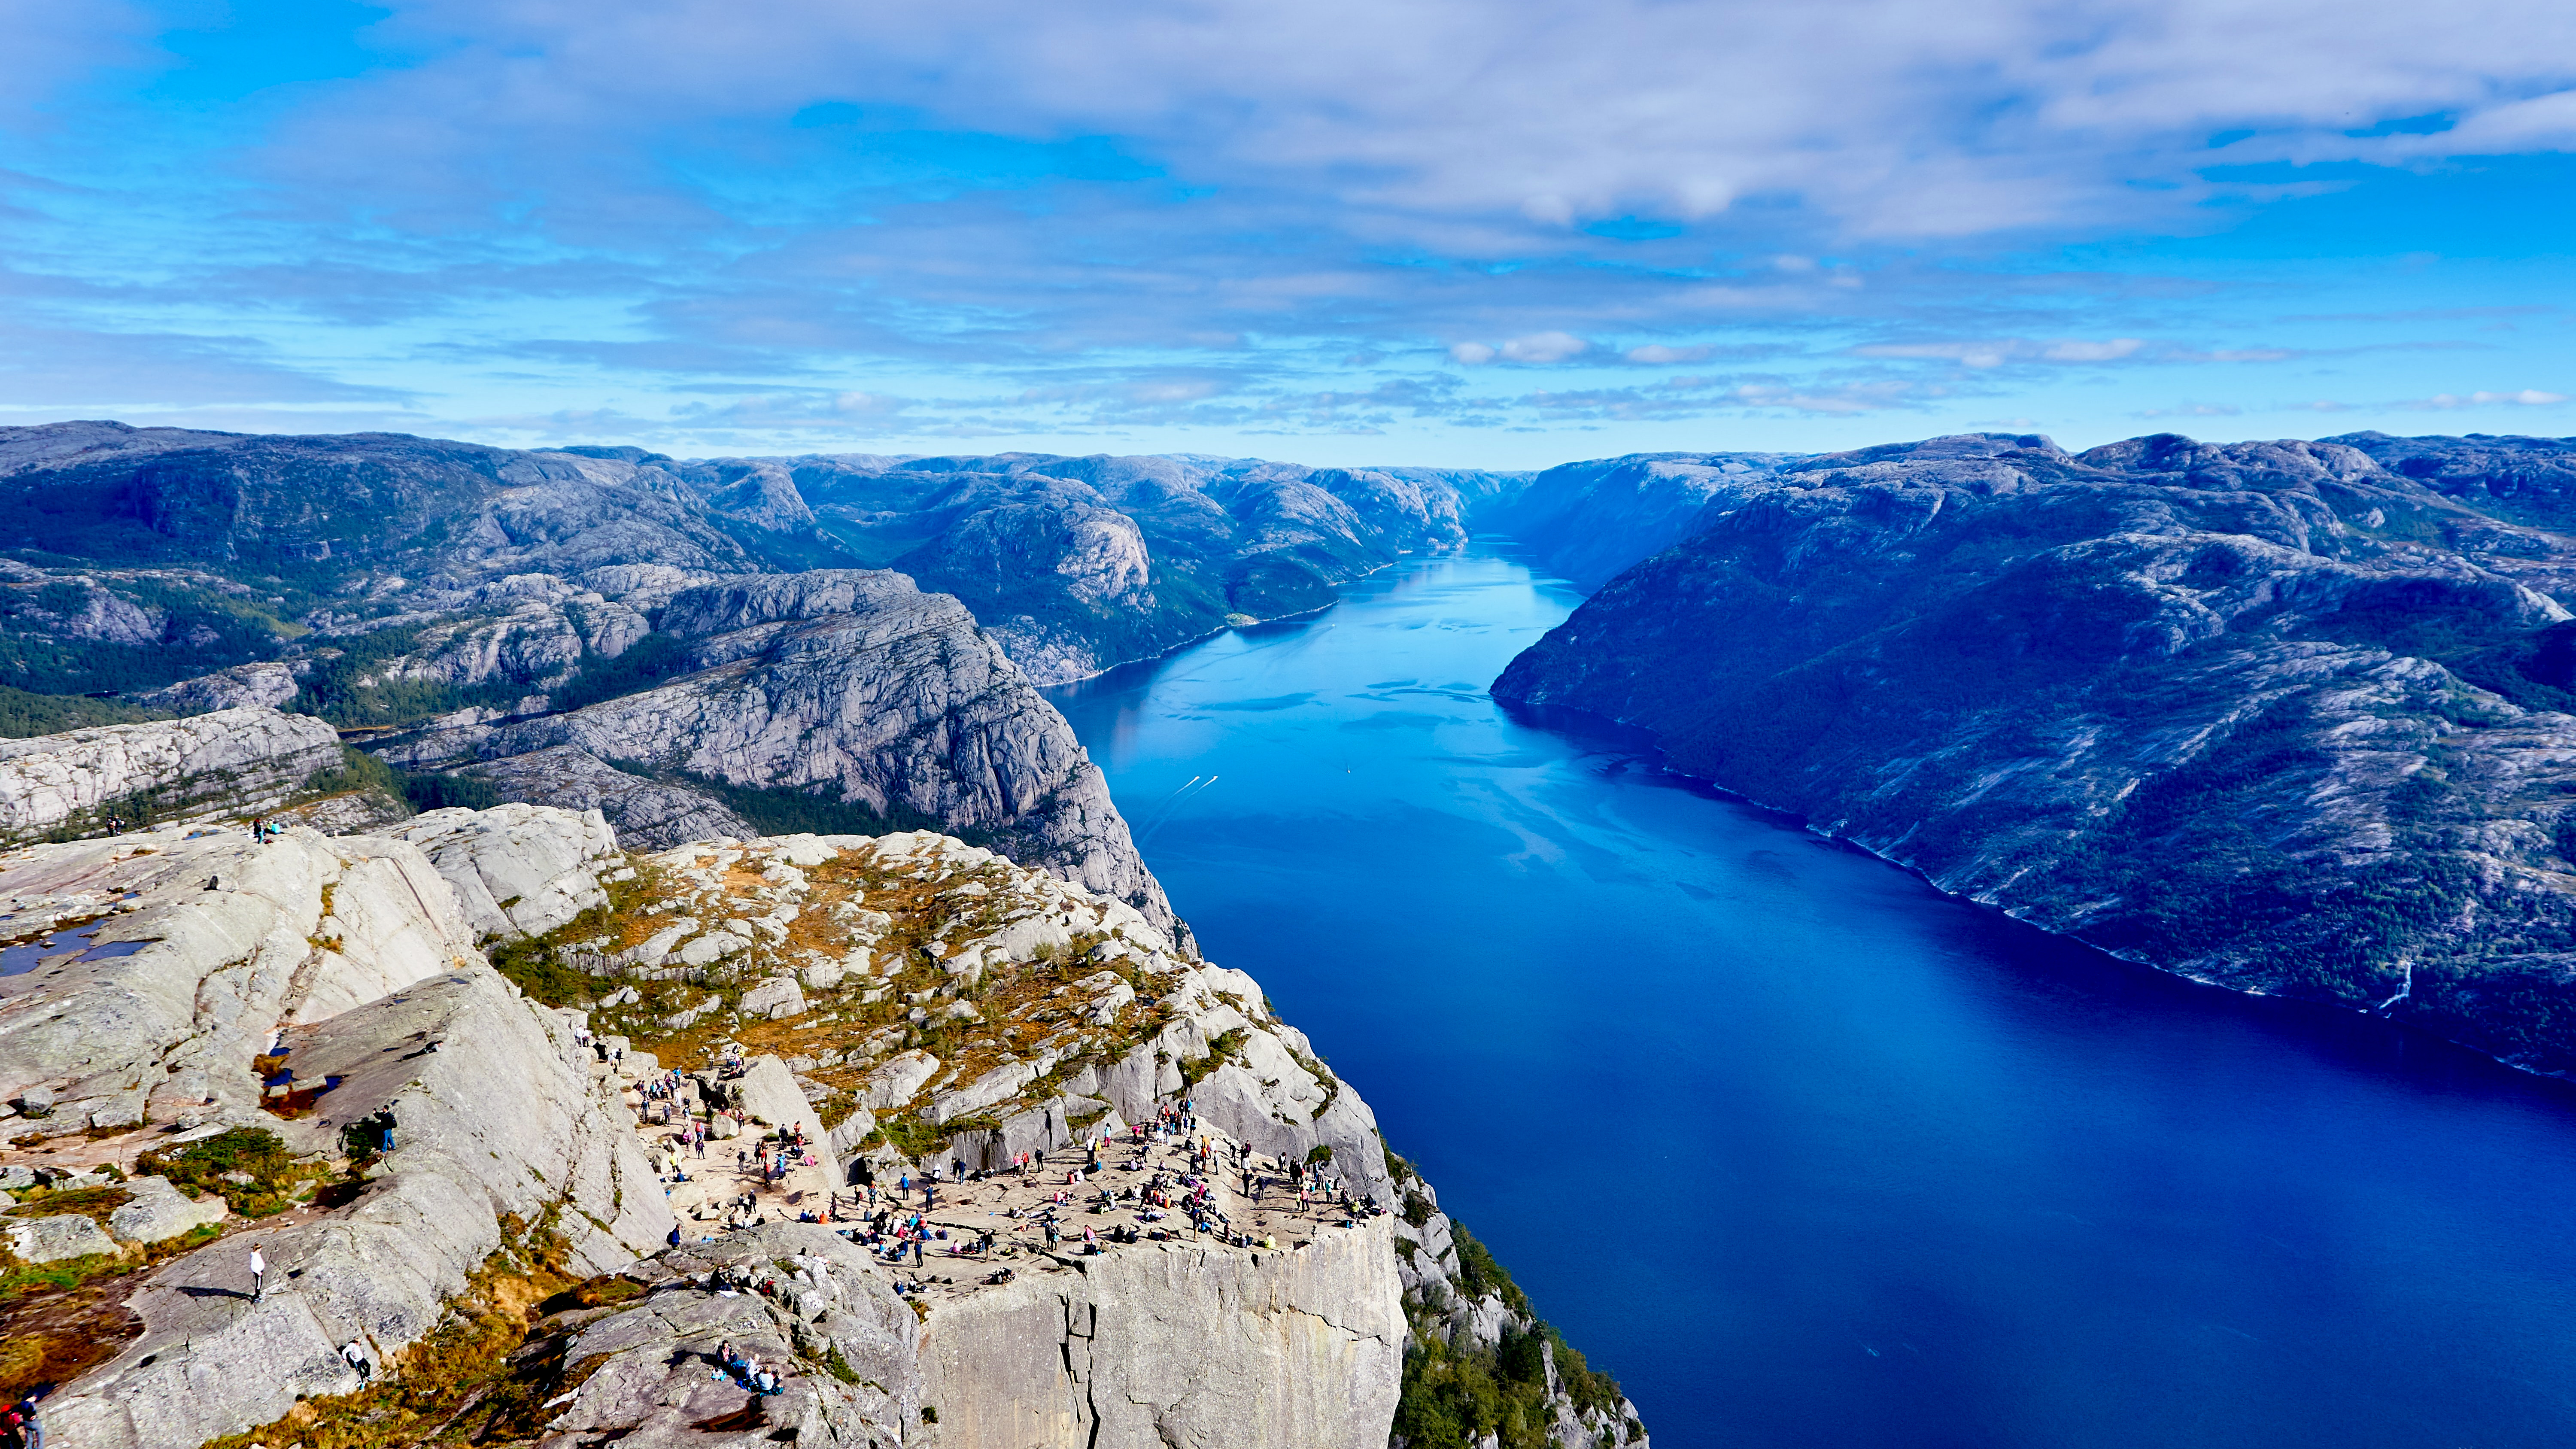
2279 715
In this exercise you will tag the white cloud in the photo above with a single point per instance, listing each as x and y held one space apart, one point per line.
1655 354
2110 351
1537 349
1545 347
2529 397
1892 118
1995 352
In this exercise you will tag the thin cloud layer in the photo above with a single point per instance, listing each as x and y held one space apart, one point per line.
810 219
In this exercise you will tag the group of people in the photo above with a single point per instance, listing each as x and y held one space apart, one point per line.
20 1428
749 1372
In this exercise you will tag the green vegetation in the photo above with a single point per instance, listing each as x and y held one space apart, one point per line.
25 714
783 811
647 662
531 964
340 688
1221 1049
474 1379
1453 1397
442 792
276 1180
94 1203
357 770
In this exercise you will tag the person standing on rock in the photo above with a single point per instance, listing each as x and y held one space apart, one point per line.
258 1276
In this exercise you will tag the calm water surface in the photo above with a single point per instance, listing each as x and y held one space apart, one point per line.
1804 1153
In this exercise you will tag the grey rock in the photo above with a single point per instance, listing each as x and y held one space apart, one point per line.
158 1211
355 948
768 1091
852 685
245 759
649 814
2205 706
518 869
51 1240
996 1086
267 682
776 998
897 1080
1171 1343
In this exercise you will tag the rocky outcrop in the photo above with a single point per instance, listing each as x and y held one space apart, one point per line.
653 1368
347 968
1177 1344
2272 715
244 759
267 683
183 959
1062 1018
519 869
847 687
650 814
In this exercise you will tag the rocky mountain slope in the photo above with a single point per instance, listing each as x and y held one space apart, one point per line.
680 645
1080 563
1591 519
2293 717
249 1018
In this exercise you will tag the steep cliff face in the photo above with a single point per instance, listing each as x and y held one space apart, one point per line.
2268 714
916 1002
247 759
842 686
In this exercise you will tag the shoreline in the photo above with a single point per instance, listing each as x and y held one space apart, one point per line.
1569 722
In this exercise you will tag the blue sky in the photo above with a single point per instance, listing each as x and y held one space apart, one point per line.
1499 233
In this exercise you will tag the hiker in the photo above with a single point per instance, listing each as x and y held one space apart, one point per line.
356 1354
384 1121
258 1276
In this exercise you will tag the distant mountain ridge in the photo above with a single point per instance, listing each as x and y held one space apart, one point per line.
507 616
2293 717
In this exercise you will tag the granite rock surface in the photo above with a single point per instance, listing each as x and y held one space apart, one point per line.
2293 717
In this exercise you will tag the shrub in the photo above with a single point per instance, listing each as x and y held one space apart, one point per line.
255 1152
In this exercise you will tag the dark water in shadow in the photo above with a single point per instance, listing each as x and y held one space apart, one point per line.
1803 1152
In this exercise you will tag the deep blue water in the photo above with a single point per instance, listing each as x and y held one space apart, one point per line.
1802 1151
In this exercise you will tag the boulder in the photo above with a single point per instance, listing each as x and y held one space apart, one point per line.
157 1211
518 869
895 1082
769 1093
776 998
991 1089
50 1240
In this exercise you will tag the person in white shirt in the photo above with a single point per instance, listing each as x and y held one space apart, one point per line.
258 1276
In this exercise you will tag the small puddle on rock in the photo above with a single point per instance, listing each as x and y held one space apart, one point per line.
19 958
